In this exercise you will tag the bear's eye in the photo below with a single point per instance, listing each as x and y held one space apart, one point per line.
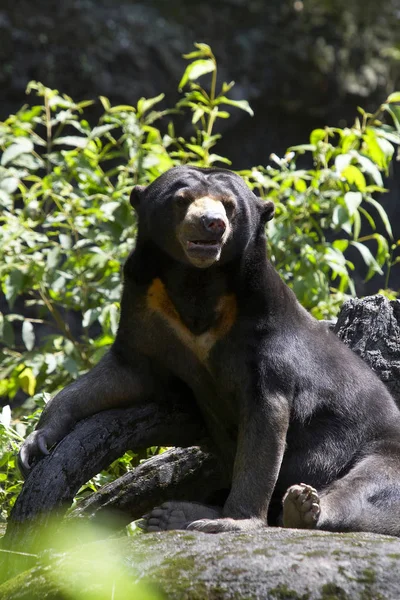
183 198
229 205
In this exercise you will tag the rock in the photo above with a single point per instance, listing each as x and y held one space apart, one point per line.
276 564
371 327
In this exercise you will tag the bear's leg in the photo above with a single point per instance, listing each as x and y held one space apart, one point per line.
366 499
112 383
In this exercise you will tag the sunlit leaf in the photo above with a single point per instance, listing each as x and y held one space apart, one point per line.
352 201
72 140
371 169
195 70
317 136
354 176
382 213
145 104
367 257
22 145
342 161
242 104
99 131
105 102
27 381
28 334
13 286
395 97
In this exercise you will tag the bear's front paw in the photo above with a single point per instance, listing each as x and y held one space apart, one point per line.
34 447
176 515
226 524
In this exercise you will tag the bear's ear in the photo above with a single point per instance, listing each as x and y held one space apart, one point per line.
136 195
267 209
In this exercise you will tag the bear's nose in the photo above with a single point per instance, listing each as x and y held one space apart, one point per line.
214 223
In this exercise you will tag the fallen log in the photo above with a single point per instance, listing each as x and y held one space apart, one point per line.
93 445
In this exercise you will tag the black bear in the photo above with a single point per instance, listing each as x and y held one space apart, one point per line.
296 415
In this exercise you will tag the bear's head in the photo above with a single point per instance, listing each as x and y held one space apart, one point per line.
200 216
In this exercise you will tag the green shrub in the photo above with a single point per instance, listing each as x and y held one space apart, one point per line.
67 226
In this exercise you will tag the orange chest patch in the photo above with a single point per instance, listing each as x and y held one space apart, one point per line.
160 303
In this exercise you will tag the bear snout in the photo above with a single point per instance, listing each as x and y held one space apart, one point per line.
214 223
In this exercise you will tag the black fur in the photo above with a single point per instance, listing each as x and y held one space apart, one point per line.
283 398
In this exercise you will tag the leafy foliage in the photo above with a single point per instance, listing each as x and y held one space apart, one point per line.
67 225
320 211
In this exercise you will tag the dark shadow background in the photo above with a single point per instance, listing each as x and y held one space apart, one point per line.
300 64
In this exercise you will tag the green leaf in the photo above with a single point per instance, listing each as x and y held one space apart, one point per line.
28 334
9 184
382 214
352 201
105 102
356 225
197 149
242 104
144 104
353 175
303 148
23 145
341 245
5 200
340 217
194 54
223 114
389 134
97 132
317 136
90 316
27 381
349 141
382 254
374 150
371 169
342 161
195 70
14 283
203 50
72 140
6 332
52 258
217 158
368 257
121 108
395 97
65 241
387 149
300 185
198 113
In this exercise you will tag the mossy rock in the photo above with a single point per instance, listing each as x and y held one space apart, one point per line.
277 564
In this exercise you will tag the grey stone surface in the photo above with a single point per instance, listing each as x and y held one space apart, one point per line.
279 564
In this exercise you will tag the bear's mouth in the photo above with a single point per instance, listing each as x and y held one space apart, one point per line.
206 248
199 243
203 253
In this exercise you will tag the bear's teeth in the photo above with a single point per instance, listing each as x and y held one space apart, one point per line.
203 242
